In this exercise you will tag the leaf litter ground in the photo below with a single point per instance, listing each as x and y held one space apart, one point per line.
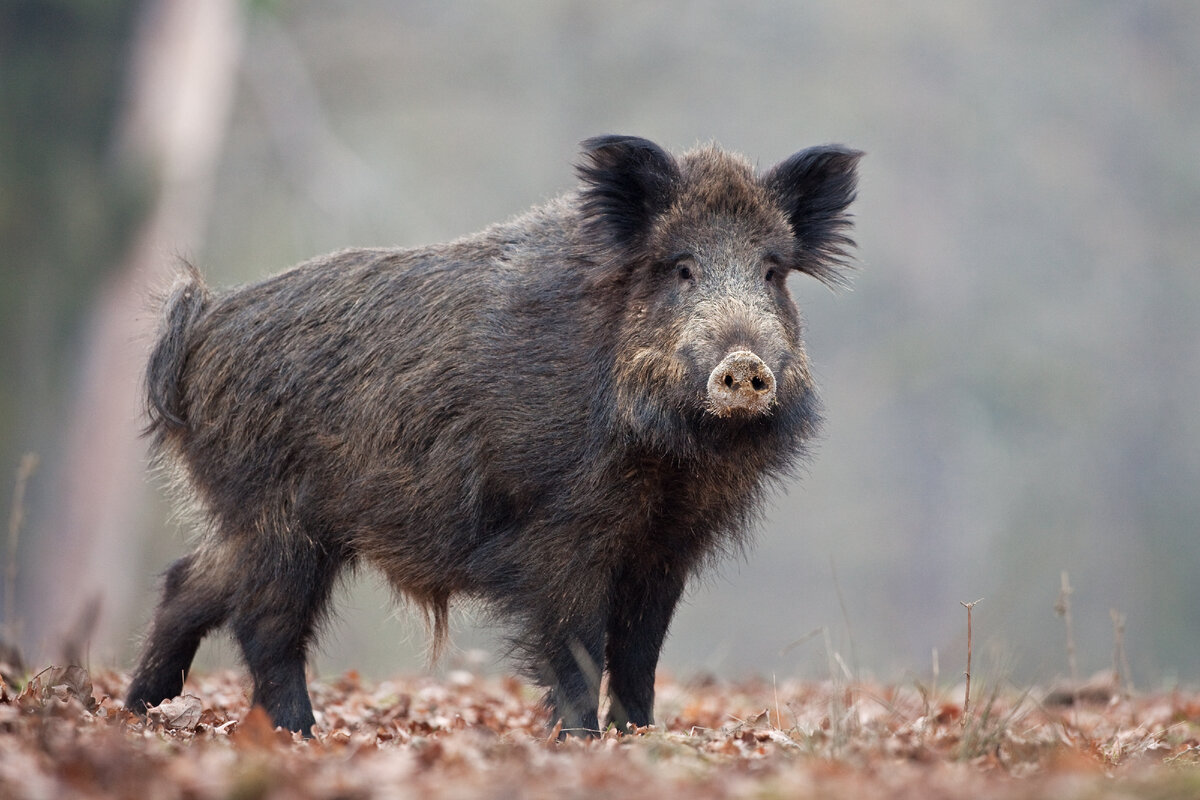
64 733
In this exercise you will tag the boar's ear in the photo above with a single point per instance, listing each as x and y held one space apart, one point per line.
814 188
627 182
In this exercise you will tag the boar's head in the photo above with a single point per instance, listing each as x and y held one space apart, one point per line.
699 249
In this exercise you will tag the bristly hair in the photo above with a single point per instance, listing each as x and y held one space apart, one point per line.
815 186
628 181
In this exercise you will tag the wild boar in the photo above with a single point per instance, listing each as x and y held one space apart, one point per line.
565 416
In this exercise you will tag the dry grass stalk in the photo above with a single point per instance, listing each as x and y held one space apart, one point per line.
967 693
1063 609
1122 677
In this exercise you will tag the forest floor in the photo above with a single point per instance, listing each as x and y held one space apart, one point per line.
64 733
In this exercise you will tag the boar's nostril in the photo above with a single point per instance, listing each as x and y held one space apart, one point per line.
742 383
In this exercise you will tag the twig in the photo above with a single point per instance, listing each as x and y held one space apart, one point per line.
838 711
837 588
1063 609
16 519
814 633
936 668
778 718
933 686
967 694
1122 677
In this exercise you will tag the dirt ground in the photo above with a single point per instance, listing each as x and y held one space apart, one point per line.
64 733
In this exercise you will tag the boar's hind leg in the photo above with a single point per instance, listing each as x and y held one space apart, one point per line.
275 616
643 602
194 601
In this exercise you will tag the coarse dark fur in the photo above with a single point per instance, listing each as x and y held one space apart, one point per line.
518 416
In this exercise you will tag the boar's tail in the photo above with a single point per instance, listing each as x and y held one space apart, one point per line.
164 374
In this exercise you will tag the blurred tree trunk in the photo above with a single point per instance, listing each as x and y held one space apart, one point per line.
179 93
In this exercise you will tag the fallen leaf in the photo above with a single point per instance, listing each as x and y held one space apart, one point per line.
255 731
58 683
179 713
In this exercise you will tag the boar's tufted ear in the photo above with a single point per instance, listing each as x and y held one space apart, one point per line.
628 181
814 187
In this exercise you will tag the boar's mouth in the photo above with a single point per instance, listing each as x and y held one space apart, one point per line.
742 385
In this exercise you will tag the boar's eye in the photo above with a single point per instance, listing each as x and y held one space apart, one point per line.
774 268
685 267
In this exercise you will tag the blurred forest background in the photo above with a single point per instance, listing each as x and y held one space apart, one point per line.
1013 385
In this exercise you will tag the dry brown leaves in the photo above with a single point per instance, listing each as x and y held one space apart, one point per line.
63 734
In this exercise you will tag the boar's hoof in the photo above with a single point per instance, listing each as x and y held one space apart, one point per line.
741 384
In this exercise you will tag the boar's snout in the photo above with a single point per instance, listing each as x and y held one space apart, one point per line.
741 384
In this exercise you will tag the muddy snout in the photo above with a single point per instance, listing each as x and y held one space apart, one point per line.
741 384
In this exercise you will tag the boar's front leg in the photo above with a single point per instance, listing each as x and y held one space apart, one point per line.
570 664
643 601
